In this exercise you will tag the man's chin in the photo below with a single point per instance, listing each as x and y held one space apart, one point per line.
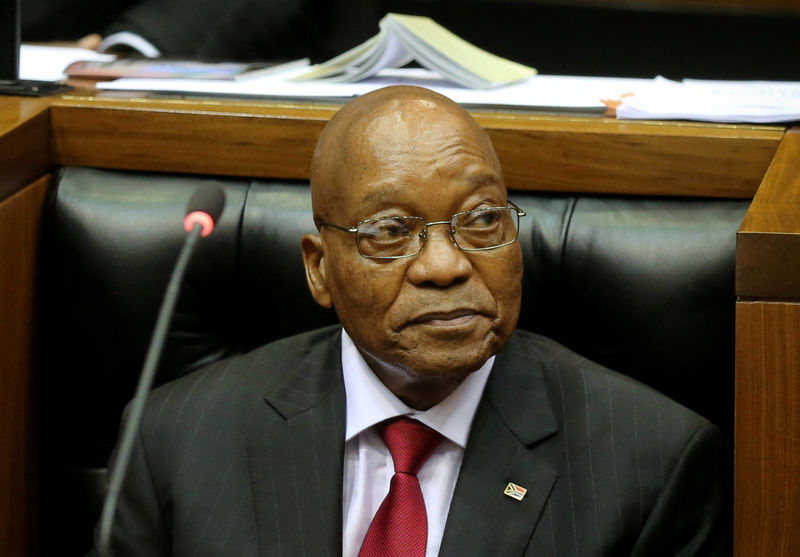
452 359
422 374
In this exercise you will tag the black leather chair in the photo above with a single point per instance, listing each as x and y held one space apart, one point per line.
641 285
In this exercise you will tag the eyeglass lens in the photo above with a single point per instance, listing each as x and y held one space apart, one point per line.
404 236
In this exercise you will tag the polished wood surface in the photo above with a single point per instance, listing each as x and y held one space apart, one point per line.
537 152
19 227
768 243
767 494
197 137
24 157
767 431
593 155
24 132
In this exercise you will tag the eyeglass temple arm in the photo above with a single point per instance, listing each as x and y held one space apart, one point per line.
520 212
323 222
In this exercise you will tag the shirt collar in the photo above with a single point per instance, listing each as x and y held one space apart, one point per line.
370 402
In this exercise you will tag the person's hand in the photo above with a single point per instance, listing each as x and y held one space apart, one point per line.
92 41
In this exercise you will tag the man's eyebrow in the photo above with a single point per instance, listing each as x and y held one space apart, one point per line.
382 191
484 179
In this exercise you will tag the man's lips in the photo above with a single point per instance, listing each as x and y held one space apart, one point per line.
446 318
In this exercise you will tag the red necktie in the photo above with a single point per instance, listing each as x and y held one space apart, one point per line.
400 527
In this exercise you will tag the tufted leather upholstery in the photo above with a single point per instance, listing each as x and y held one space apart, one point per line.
642 285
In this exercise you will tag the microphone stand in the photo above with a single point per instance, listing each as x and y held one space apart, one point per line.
145 383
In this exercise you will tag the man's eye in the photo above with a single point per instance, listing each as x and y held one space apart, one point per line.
481 219
387 230
394 229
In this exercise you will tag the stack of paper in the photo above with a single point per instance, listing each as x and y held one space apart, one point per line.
403 38
715 101
176 68
538 91
47 63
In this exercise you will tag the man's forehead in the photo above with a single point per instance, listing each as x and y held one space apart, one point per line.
386 191
373 131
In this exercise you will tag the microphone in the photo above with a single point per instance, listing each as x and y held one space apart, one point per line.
204 208
202 211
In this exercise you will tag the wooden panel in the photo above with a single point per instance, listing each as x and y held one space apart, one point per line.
19 227
768 243
768 265
767 475
538 152
24 132
609 156
202 138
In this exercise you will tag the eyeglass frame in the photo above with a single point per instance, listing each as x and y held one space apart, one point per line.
424 234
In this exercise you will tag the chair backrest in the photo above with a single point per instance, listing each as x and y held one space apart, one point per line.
641 285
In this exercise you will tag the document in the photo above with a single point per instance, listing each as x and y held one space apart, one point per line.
47 63
538 91
654 99
756 102
177 68
403 38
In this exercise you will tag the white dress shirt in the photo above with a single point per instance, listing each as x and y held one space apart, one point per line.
368 466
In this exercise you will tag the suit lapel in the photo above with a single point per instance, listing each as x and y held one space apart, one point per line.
295 455
514 415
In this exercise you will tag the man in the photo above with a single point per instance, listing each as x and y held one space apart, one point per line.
287 450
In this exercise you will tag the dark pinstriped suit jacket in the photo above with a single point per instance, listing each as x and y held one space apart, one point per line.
244 458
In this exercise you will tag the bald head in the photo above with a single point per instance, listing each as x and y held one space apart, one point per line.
374 129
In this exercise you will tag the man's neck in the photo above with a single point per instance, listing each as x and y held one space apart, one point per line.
415 390
369 401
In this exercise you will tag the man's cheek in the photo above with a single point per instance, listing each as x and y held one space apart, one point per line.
359 296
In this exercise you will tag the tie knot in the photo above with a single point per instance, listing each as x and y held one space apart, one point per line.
410 443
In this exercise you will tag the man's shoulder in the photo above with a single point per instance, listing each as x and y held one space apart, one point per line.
621 450
251 374
597 409
577 382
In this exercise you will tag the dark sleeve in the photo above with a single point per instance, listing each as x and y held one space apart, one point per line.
692 516
66 20
139 529
236 29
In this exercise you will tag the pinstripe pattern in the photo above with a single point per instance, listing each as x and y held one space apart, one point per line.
244 458
612 467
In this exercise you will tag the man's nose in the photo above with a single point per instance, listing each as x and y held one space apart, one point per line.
440 261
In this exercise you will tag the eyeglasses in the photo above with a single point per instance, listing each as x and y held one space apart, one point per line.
398 237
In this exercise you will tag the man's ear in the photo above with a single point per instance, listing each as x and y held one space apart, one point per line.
314 261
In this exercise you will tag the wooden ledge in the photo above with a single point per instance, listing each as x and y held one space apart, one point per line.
768 242
538 152
24 132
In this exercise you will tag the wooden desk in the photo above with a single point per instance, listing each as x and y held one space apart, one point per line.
539 152
767 430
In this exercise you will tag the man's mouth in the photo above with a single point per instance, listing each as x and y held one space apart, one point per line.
447 318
